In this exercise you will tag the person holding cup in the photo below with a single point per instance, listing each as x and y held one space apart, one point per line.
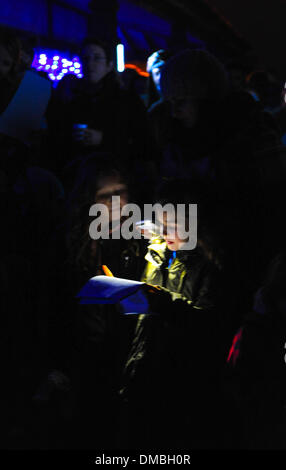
95 114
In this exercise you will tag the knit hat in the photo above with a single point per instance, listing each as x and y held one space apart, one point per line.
195 73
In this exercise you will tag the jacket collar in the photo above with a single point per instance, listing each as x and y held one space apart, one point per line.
158 253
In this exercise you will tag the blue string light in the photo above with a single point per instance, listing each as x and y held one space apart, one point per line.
56 65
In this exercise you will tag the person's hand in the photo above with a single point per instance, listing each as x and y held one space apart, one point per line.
89 137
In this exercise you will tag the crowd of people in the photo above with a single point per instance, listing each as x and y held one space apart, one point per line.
204 369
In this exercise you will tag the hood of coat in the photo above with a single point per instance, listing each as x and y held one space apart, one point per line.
171 273
159 254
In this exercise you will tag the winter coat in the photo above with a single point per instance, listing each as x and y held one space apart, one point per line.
257 381
171 376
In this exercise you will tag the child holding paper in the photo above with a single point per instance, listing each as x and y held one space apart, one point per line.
170 387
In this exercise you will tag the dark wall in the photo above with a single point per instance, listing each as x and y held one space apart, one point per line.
263 24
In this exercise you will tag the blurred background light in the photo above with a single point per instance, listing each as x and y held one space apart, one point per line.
56 61
120 57
58 64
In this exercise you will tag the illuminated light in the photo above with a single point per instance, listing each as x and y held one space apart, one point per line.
56 65
120 57
234 350
138 70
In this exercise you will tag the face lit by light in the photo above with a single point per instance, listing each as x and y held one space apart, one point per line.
170 233
95 64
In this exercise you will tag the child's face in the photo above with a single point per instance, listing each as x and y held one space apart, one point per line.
170 234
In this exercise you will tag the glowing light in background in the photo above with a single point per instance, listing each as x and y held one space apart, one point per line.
138 69
56 65
120 57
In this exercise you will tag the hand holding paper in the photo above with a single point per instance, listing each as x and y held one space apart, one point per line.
131 295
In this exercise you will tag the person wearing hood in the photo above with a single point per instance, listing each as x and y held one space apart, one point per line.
154 65
208 131
214 135
170 387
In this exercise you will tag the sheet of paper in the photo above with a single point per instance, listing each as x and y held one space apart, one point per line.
104 289
135 304
26 110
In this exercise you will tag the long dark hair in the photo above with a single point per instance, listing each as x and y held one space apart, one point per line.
91 172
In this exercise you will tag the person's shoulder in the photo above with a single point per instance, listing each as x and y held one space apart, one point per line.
241 101
69 84
159 107
42 179
130 99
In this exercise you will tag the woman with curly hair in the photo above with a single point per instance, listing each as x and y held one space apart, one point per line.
89 343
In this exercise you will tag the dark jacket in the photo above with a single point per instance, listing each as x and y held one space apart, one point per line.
105 106
257 379
174 363
229 142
